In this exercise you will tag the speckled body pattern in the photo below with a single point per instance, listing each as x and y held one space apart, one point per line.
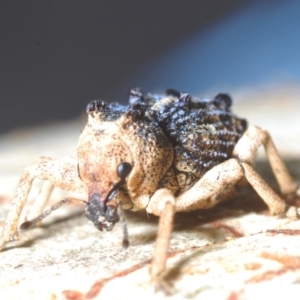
202 133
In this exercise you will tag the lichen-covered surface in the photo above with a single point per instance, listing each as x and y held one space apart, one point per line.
234 251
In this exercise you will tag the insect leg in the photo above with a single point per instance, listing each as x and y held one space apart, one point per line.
246 149
41 200
215 186
162 203
60 173
275 203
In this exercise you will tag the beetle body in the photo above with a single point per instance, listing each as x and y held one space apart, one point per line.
170 141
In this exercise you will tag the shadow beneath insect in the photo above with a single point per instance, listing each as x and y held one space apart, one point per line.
174 271
167 282
45 231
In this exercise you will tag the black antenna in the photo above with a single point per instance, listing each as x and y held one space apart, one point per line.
125 242
28 224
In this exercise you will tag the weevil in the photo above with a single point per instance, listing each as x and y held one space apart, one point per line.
162 153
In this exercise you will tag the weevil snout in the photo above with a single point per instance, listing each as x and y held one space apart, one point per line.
102 215
104 212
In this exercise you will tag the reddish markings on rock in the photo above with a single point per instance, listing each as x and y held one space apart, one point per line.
231 229
235 295
98 285
73 295
268 275
5 199
283 231
290 263
96 288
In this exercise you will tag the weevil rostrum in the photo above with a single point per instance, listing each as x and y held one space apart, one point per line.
165 154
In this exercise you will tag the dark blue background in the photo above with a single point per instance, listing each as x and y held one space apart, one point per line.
254 46
56 56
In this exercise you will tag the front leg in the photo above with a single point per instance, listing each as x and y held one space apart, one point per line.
38 206
162 204
59 173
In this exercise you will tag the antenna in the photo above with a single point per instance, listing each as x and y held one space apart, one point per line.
28 224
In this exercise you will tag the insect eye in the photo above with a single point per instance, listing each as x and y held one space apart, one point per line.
123 170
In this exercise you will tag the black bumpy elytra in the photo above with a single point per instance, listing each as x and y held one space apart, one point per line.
203 132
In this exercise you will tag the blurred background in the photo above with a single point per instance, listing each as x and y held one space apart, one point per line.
56 56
